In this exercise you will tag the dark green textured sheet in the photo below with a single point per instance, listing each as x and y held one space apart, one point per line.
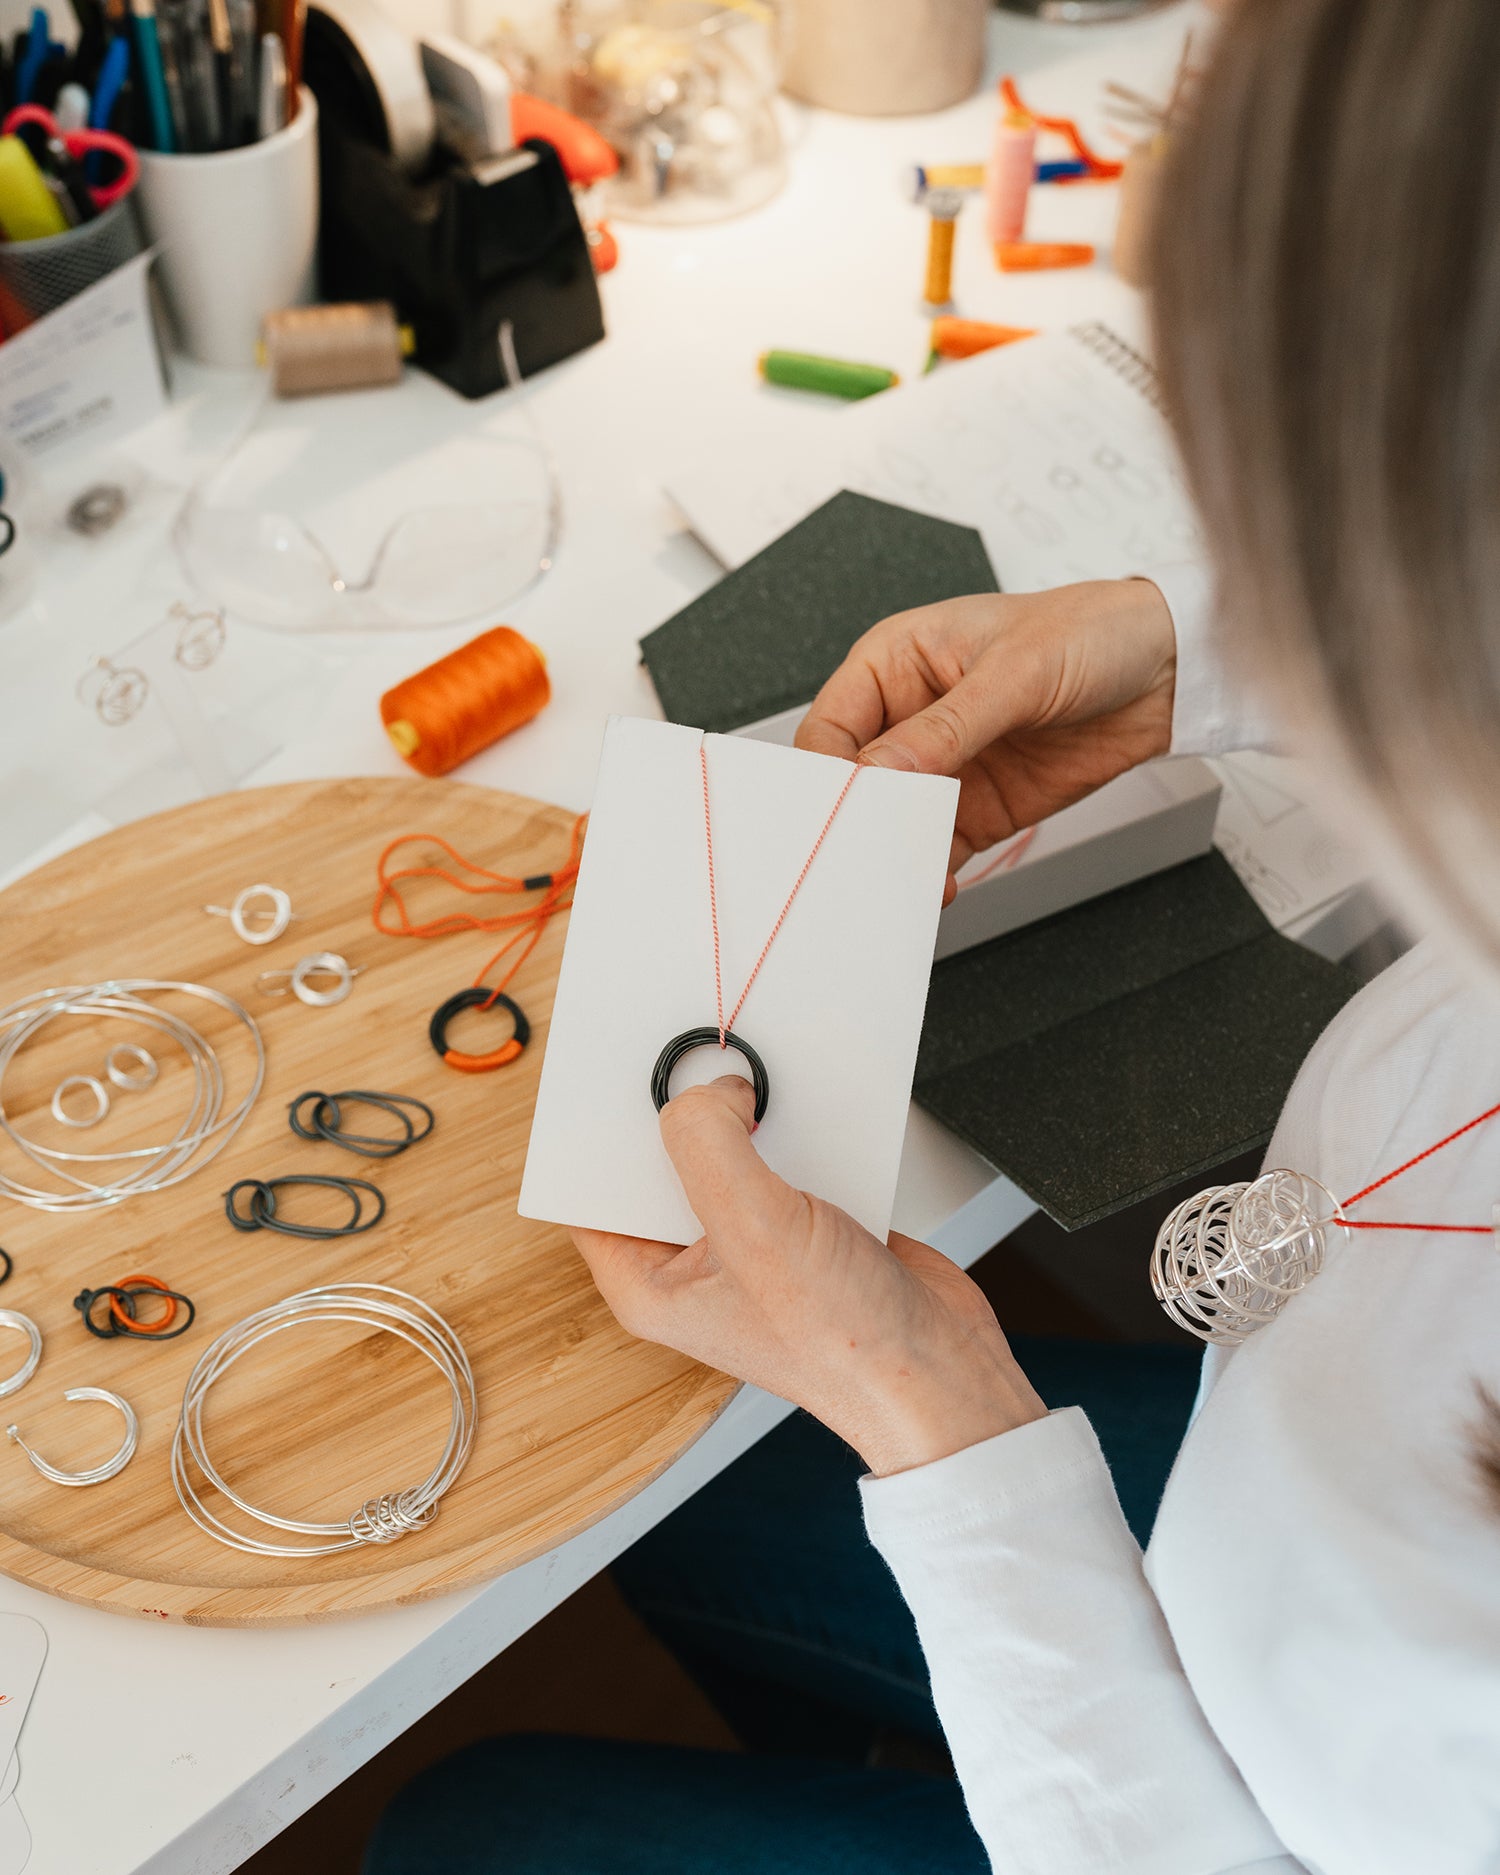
1134 1041
766 637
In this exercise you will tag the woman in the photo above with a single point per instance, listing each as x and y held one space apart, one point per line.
1305 1673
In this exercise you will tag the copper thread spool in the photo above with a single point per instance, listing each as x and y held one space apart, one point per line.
440 716
344 347
943 206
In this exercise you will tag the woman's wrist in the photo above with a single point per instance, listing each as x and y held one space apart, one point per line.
915 1414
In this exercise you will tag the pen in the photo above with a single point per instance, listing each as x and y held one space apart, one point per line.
72 107
245 71
272 85
221 38
33 55
107 85
148 57
169 34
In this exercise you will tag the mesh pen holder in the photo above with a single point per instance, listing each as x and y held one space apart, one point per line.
38 276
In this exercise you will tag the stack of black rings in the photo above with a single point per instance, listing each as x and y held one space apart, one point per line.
327 1116
260 1208
120 1318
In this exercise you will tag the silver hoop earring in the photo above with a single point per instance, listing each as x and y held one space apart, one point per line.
98 1473
121 1076
96 1088
22 1325
320 964
200 637
277 911
117 694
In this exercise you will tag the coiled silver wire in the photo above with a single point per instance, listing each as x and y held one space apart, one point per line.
379 1519
205 1130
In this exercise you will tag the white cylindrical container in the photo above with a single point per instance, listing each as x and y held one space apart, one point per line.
238 230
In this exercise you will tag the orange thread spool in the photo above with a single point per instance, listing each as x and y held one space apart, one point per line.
440 716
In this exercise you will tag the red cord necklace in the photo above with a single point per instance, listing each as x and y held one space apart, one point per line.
722 1032
1229 1259
525 928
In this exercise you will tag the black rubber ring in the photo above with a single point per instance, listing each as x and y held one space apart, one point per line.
9 1266
262 1209
684 1044
437 1029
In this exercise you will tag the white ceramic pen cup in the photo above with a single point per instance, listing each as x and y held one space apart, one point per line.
238 230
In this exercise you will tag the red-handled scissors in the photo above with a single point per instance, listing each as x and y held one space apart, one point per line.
81 143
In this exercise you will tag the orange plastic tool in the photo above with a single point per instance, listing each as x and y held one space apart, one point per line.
963 338
1038 256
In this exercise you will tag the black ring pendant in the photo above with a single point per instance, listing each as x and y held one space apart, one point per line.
684 1044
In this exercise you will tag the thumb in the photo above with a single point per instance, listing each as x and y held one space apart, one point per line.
734 1193
949 733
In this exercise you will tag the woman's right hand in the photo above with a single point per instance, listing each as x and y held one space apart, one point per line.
1032 700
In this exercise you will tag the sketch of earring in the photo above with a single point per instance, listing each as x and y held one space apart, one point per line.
276 913
97 1474
200 637
320 964
117 692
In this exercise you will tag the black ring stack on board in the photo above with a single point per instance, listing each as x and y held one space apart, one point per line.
260 1211
112 1328
326 1120
10 1264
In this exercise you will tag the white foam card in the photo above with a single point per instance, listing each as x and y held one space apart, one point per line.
15 1839
835 1012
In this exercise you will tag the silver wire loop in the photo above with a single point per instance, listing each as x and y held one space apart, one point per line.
23 1325
320 964
145 1064
207 1126
277 913
380 1519
97 1474
60 1100
1230 1258
200 637
116 694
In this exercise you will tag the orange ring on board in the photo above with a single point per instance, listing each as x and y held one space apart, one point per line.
133 1325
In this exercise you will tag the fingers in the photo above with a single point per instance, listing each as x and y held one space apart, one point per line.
623 1269
847 712
950 732
706 1131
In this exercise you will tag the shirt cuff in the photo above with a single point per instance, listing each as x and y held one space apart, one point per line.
1211 715
970 1487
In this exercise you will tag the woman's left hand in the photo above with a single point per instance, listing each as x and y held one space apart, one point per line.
890 1345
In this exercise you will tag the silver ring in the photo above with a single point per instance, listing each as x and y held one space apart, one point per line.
96 1088
279 914
122 1077
98 1473
320 964
24 1325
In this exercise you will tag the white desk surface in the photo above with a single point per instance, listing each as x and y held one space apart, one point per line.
174 1751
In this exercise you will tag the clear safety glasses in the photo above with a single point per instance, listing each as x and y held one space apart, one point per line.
443 563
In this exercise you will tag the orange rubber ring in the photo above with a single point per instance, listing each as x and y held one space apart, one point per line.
482 1064
132 1326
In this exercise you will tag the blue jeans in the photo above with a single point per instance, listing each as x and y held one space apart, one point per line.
765 1587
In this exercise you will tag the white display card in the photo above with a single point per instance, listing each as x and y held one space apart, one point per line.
835 1012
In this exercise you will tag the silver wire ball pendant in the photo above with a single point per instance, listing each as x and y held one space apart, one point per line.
1230 1258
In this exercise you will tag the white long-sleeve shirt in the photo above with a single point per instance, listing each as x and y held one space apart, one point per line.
1303 1673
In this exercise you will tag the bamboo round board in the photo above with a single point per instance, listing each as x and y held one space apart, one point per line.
574 1415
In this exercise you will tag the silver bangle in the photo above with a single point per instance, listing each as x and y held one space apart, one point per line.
380 1519
320 964
210 1121
60 1095
121 1076
276 911
96 1474
24 1325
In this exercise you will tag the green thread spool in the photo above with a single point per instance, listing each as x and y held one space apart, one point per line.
834 377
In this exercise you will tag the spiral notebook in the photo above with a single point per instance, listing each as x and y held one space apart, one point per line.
1055 449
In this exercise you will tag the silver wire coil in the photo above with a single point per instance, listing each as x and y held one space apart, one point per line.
206 1128
1230 1258
381 1519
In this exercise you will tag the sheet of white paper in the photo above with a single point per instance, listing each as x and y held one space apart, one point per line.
15 1839
89 370
835 1013
10 1777
1288 860
1052 448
